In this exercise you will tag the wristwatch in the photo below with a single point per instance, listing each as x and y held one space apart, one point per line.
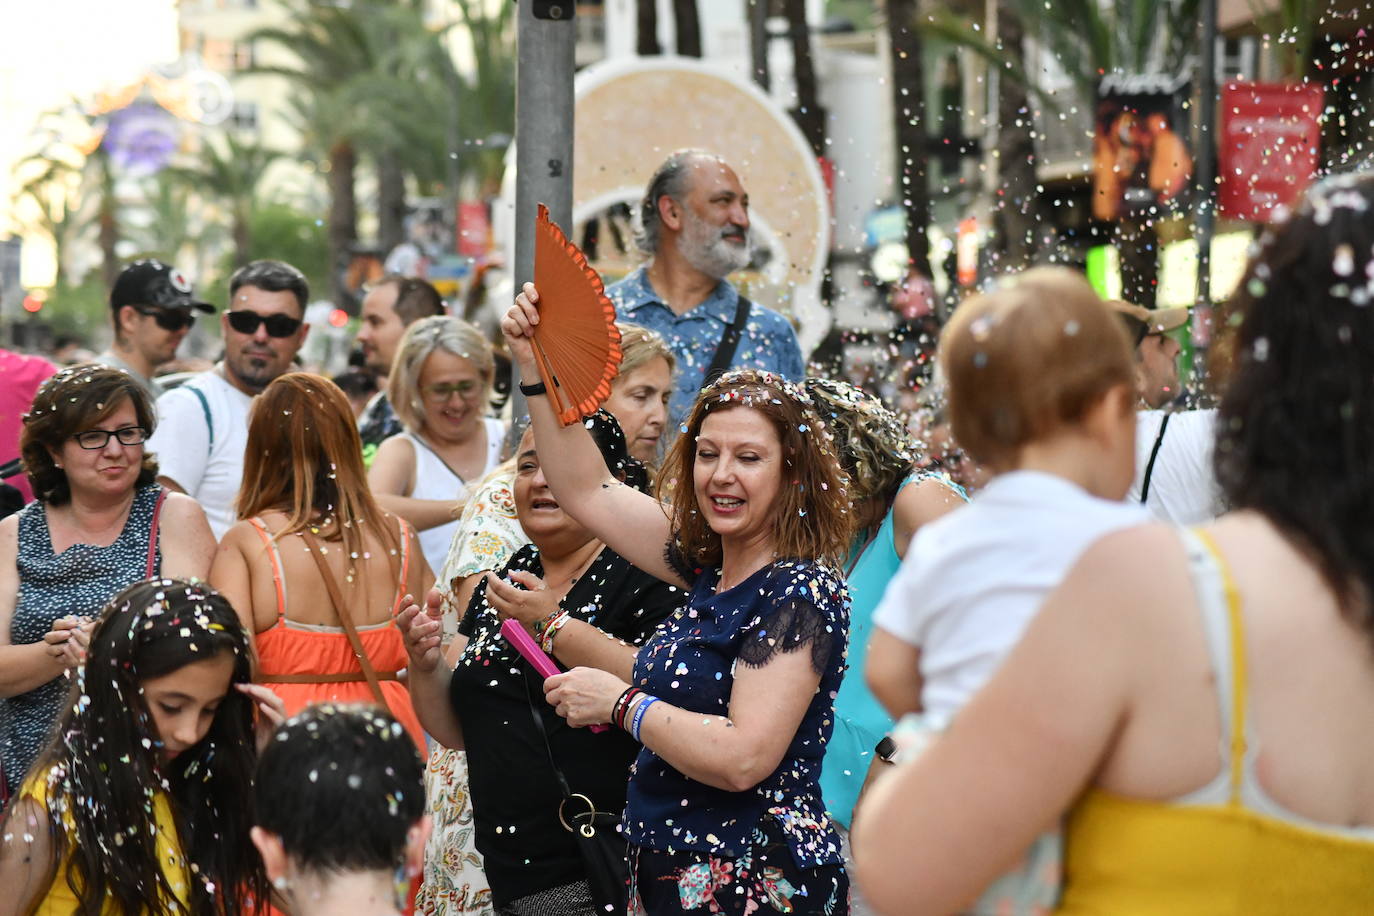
887 750
530 391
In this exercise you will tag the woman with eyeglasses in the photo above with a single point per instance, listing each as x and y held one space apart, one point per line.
439 386
100 522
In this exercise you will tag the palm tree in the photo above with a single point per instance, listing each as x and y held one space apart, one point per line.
808 114
909 128
54 189
688 27
1090 39
488 99
646 29
330 43
1019 211
170 219
229 174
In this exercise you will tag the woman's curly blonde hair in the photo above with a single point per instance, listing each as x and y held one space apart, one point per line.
874 446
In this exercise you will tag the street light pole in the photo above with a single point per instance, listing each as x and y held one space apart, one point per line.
543 131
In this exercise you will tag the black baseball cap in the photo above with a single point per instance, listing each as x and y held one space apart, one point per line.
150 282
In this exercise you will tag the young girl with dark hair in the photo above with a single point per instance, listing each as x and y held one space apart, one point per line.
141 802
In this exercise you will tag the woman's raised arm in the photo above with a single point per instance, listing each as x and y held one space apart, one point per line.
634 524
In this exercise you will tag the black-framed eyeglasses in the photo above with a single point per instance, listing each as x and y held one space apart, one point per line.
246 322
169 319
94 439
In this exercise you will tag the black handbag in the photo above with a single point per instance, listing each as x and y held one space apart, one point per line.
605 854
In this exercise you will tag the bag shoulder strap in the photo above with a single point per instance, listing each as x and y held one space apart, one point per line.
345 618
205 409
151 566
729 342
1154 453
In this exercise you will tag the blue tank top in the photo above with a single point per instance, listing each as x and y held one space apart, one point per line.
78 581
860 720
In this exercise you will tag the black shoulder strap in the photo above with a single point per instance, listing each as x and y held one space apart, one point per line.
729 342
1154 453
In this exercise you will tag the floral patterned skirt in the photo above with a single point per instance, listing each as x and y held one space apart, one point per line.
765 879
454 883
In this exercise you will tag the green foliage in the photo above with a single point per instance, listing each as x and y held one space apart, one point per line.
1089 38
81 308
372 74
860 12
1294 24
283 233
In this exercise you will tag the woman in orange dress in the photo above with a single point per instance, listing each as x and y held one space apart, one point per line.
316 570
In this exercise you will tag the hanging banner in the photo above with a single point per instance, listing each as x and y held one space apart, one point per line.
1270 138
474 229
1141 161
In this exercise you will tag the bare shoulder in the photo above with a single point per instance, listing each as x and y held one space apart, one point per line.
927 499
918 503
395 448
240 536
1135 573
178 507
9 533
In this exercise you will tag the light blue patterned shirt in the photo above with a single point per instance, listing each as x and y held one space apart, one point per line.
767 342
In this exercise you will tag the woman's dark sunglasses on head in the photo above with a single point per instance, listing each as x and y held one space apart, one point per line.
246 322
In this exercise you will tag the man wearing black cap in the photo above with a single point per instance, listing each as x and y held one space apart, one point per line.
1173 471
152 307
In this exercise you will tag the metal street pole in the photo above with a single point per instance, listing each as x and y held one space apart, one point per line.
543 131
1204 220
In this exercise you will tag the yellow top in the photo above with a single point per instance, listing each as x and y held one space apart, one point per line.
1126 856
60 901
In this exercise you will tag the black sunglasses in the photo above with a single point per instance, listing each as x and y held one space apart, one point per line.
169 319
277 325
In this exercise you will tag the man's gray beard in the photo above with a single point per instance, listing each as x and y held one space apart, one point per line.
702 246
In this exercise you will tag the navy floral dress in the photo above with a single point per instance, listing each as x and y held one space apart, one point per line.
696 848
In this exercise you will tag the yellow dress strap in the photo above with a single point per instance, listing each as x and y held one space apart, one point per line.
1239 681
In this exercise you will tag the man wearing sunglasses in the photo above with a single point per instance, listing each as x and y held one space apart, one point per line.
203 425
152 307
1173 468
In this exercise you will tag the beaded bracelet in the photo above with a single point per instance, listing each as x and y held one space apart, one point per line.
639 715
540 626
622 706
551 630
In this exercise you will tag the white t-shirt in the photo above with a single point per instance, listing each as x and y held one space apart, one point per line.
1183 486
972 580
204 454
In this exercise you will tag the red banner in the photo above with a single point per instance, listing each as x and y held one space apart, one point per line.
1270 140
474 229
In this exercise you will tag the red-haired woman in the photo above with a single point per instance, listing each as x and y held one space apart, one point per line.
315 568
733 696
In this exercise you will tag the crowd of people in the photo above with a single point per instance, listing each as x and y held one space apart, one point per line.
1053 645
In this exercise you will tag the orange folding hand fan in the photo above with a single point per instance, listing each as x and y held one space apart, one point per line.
576 343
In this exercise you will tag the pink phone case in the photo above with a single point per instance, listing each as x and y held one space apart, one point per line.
524 644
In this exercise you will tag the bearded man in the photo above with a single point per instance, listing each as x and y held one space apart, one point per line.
693 223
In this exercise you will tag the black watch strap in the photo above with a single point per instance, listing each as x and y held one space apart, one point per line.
530 391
